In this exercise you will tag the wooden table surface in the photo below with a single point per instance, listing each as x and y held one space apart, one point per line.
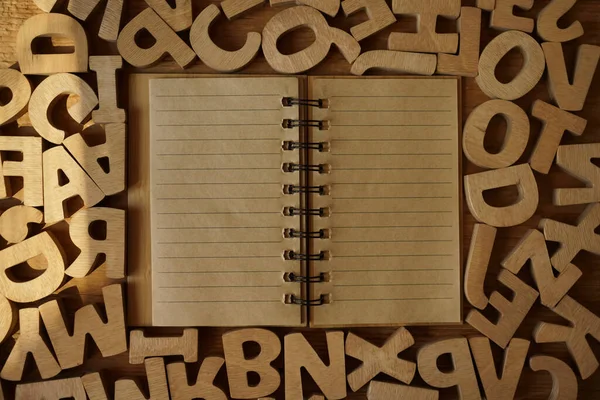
232 36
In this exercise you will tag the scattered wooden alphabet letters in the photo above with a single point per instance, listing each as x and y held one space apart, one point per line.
20 90
583 323
385 391
463 373
397 61
110 178
379 14
29 342
14 222
45 95
570 97
530 74
111 21
573 239
29 168
533 247
238 365
141 347
203 388
49 25
166 39
514 214
480 250
512 313
178 18
41 286
547 20
576 159
105 68
505 387
503 18
109 337
214 56
426 40
68 388
56 160
515 138
8 319
383 359
465 63
300 354
564 381
293 18
127 389
555 123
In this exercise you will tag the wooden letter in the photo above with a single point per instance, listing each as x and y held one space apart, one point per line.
533 247
396 61
112 246
487 5
512 313
55 160
515 138
573 239
576 159
214 56
94 386
68 388
40 286
238 365
463 373
503 18
111 180
45 95
141 347
466 61
555 123
329 7
13 222
547 20
386 391
30 168
514 214
203 388
426 40
529 75
380 16
111 21
110 337
505 387
564 381
300 354
106 68
570 97
480 250
167 41
8 320
20 90
293 18
233 8
380 359
178 18
49 25
583 323
127 389
29 341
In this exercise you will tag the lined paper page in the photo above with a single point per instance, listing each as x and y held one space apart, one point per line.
394 199
217 201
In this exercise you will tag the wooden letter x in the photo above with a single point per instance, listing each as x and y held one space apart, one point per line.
380 359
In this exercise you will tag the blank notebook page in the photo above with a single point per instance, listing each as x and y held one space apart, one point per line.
217 201
394 198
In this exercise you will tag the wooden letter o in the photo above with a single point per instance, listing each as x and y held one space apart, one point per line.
20 88
526 79
515 139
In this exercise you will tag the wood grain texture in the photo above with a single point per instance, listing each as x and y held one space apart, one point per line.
576 159
503 16
29 168
111 20
179 17
464 63
106 68
55 389
141 347
547 22
203 388
400 62
156 375
14 222
20 90
384 391
8 319
380 16
480 251
564 381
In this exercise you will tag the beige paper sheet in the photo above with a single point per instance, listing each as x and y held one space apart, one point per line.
216 202
394 200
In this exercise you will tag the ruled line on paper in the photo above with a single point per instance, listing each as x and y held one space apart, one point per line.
394 270
221 110
218 272
218 301
396 96
388 111
219 95
390 226
395 299
392 241
216 286
394 284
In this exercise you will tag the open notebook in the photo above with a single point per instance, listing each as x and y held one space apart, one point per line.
338 207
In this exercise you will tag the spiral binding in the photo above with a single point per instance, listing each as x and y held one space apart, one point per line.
294 189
